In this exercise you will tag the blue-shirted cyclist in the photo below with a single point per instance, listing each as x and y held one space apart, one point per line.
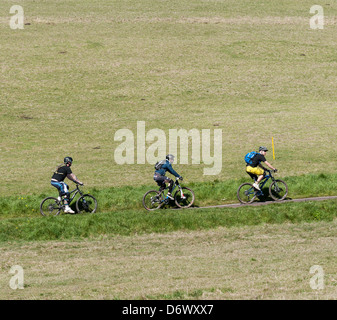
160 177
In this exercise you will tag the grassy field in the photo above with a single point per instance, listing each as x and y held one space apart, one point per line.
120 199
132 222
81 70
255 262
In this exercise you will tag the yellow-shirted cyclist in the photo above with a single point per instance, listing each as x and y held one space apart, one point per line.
254 168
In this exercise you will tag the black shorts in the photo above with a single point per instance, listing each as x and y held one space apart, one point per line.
161 179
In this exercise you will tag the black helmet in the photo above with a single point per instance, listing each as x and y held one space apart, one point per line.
170 156
68 159
263 149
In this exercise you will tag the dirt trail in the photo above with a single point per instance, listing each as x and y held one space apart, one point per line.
257 203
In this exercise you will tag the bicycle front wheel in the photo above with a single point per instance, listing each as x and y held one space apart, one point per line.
184 198
246 193
152 200
50 207
86 203
278 190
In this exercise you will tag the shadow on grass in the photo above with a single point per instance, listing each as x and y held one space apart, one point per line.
265 197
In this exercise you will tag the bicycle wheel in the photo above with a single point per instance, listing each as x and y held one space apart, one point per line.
278 190
246 193
86 203
50 207
184 198
152 200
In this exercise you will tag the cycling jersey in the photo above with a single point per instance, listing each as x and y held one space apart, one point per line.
61 173
257 159
167 167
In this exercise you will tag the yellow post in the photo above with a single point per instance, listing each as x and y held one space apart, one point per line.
272 142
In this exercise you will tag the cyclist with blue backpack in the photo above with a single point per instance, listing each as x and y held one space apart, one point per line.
161 168
253 165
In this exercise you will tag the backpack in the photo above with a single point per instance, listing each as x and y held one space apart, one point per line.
159 164
249 156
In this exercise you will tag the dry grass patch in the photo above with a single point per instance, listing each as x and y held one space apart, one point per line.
268 262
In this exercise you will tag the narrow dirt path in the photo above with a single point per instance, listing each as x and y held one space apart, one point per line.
257 203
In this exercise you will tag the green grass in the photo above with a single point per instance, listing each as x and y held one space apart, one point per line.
120 211
81 70
131 222
207 193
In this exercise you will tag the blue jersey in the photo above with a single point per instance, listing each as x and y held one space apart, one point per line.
167 167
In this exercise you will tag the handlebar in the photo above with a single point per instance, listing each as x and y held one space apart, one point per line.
177 180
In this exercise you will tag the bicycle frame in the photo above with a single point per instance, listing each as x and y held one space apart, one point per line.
75 192
264 181
176 184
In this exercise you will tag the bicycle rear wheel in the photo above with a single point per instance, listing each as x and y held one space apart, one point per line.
184 198
86 203
152 200
278 190
246 193
50 207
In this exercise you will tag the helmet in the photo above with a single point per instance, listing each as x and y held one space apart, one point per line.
170 157
68 159
263 149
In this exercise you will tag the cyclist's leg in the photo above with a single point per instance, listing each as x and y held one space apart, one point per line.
66 193
63 192
161 181
158 180
56 185
258 172
253 176
62 189
171 183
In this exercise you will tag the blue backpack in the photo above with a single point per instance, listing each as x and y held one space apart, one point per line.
249 156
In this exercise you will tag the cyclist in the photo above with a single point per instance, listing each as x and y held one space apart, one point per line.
57 181
256 169
161 179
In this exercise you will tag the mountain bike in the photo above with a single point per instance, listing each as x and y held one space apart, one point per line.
183 197
278 189
51 206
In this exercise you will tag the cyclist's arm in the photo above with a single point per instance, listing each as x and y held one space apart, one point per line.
172 171
269 165
72 177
